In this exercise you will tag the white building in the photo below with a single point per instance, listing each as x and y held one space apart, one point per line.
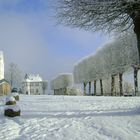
33 85
1 66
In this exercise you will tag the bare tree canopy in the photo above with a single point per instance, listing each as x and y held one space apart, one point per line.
97 15
14 75
62 81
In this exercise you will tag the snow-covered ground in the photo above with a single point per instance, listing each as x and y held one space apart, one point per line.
73 118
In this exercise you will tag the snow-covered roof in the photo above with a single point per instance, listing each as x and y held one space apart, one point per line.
33 78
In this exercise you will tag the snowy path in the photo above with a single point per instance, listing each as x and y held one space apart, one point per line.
73 118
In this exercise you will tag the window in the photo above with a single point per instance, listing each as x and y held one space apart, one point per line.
32 90
31 84
36 90
36 84
26 84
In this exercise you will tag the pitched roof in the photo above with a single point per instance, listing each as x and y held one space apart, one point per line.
3 81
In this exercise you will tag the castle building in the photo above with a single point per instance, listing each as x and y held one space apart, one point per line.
33 85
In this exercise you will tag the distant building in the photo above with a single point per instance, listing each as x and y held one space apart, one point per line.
33 85
1 66
4 85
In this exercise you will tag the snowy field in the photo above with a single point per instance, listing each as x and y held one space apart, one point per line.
73 118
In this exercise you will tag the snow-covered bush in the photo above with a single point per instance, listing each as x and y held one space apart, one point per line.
12 111
62 81
74 91
10 100
15 95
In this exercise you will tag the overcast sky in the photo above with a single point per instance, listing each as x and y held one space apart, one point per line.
30 38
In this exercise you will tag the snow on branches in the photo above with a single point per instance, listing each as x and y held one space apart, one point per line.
114 57
97 14
62 81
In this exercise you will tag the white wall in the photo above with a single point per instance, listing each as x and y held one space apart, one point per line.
1 66
32 89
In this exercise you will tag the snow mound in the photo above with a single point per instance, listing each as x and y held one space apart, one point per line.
13 107
12 111
10 99
15 94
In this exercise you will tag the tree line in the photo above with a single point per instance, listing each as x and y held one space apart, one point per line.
113 59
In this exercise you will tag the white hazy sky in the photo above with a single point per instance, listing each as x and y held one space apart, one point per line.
30 39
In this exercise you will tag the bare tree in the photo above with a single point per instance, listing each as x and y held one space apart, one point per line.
14 75
105 15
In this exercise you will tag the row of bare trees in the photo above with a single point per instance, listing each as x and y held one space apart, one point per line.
113 59
60 83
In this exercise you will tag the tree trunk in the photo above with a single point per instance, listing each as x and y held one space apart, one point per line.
44 87
60 91
136 20
101 86
112 84
120 84
11 80
84 87
94 87
66 91
89 88
135 80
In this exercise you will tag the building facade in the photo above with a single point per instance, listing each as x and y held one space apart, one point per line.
1 66
33 85
4 85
